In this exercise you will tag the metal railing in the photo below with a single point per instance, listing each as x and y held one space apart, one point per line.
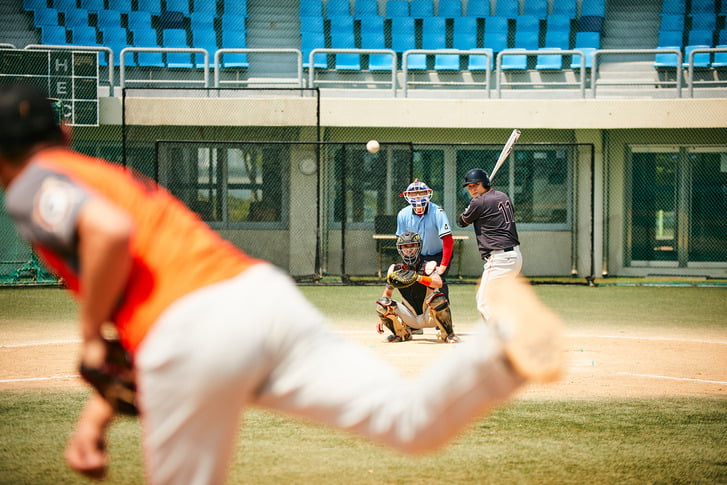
691 67
169 50
581 83
312 81
455 52
89 48
595 82
219 65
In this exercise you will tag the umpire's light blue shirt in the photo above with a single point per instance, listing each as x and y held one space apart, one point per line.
431 226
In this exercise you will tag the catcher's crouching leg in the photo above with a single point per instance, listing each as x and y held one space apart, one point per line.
440 312
389 318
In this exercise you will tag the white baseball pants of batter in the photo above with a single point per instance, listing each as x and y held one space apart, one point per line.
500 264
254 340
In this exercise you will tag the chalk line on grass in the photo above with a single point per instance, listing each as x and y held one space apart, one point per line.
651 376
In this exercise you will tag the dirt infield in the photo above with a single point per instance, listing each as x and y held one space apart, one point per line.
670 363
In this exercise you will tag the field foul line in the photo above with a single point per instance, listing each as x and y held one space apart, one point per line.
33 344
31 379
651 376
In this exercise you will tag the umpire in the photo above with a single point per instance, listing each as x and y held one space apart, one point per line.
492 214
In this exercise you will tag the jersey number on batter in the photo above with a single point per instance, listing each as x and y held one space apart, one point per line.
506 210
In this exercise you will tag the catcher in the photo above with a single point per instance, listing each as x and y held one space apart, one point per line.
423 304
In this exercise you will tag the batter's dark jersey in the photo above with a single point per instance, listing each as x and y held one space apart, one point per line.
493 217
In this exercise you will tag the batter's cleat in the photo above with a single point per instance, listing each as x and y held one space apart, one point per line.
531 332
452 339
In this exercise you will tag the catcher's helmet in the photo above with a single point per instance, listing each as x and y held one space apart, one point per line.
410 255
477 175
418 195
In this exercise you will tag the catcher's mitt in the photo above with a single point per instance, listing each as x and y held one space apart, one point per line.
114 380
401 278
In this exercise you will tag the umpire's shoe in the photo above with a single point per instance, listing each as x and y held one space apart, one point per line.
531 332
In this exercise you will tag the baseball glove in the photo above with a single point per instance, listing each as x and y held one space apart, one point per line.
114 380
401 278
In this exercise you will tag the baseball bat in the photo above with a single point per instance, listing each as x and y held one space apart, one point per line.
505 152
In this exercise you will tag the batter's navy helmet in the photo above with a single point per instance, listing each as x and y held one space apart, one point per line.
476 175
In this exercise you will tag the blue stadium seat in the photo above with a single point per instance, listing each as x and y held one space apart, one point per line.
341 23
557 21
120 5
700 37
237 7
670 38
558 39
372 25
548 62
233 22
108 18
464 33
702 6
446 62
83 35
176 38
666 59
337 8
205 39
311 8
527 23
480 63
587 53
594 8
234 39
147 38
507 8
207 7
496 24
75 17
720 58
700 59
397 8
202 20
569 8
45 16
312 24
672 21
421 8
478 8
310 41
178 6
372 37
513 61
590 23
171 19
527 40
449 9
588 39
92 5
342 39
365 8
63 5
115 38
722 37
497 41
151 6
674 6
403 35
53 35
138 20
537 8
703 21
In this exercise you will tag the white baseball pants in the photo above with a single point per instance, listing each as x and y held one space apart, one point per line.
500 264
255 340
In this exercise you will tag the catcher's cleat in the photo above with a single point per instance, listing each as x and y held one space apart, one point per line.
531 332
395 338
416 331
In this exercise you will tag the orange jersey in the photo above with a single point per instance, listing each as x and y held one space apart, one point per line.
173 251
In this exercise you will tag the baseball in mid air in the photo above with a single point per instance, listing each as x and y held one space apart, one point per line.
373 146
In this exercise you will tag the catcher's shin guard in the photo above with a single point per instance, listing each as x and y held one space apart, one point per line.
439 308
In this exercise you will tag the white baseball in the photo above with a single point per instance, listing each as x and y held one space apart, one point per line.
373 146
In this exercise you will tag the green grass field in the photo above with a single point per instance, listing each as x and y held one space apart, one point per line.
679 439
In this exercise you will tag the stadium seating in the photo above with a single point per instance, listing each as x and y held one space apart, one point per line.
672 21
722 37
176 38
238 7
700 59
478 8
116 39
205 39
434 36
108 18
311 8
310 41
514 62
670 38
720 58
53 35
31 5
537 8
312 24
201 20
63 5
449 9
397 8
524 40
464 33
341 24
586 42
342 37
120 5
83 35
337 8
507 8
558 39
548 62
171 19
232 22
700 37
666 60
234 40
674 6
568 8
421 8
372 37
590 23
178 6
479 63
527 23
403 35
558 22
147 38
75 17
594 8
138 20
151 6
365 8
497 41
496 24
702 6
703 21
45 16
92 5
